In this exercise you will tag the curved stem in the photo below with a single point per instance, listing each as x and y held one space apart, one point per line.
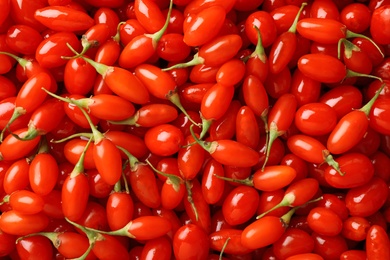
97 135
124 165
206 123
133 161
43 146
118 186
79 167
339 49
64 99
349 48
127 190
34 234
117 36
273 134
196 60
86 44
22 62
331 162
174 179
81 104
92 241
247 181
287 217
31 133
205 145
293 27
286 202
73 50
350 34
157 35
128 121
190 199
119 232
367 107
259 51
18 112
308 202
351 73
175 99
264 118
99 67
87 135
92 235
5 199
223 248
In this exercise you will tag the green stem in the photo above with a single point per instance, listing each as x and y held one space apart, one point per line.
157 35
206 123
223 248
18 112
86 44
311 201
286 202
367 107
22 62
97 135
128 121
79 167
31 133
118 186
73 50
307 203
175 99
196 60
99 67
52 236
5 199
351 74
208 146
272 136
120 232
331 162
31 235
92 235
246 182
190 199
43 146
92 241
259 51
339 49
82 104
127 190
87 135
287 217
350 34
293 27
173 179
64 99
117 36
349 48
264 118
133 161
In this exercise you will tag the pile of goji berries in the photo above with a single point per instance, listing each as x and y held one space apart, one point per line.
195 129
